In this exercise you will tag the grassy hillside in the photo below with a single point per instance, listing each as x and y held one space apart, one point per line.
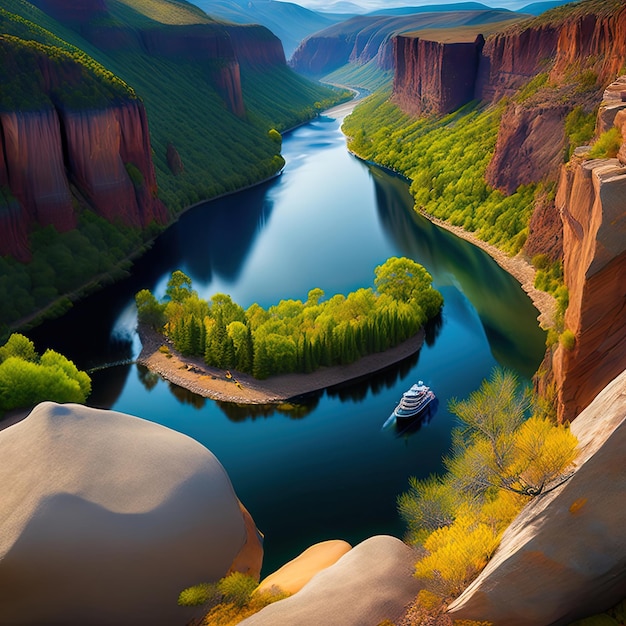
220 152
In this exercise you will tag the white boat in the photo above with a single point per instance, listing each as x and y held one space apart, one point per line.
413 401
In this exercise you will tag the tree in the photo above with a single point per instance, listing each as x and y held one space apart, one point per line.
402 279
497 447
149 310
178 286
20 346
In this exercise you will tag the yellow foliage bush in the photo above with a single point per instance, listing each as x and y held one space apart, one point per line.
456 553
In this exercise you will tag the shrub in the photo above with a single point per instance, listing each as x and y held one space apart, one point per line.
237 588
500 459
198 594
607 145
567 339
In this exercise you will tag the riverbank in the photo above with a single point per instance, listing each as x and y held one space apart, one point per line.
517 266
193 374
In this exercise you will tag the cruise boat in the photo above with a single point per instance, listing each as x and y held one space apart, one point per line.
413 401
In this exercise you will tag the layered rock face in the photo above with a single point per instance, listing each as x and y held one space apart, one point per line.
539 576
116 517
531 138
523 152
591 198
371 583
432 77
53 149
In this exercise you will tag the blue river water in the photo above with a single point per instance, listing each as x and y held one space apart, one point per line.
328 470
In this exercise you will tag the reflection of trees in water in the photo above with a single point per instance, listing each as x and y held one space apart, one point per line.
294 409
184 396
147 378
357 390
432 329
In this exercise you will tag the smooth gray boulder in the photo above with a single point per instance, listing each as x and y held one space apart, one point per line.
372 582
105 518
564 556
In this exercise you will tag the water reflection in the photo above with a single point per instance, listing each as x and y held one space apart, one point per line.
295 409
359 389
453 261
216 238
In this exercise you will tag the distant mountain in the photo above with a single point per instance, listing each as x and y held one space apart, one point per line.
536 8
432 8
290 22
368 38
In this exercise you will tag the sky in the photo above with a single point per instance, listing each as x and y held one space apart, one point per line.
365 6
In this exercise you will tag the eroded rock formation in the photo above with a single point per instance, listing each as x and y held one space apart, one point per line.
564 556
432 77
371 583
115 518
592 200
56 154
531 140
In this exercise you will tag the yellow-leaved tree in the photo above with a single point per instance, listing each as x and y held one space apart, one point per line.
501 458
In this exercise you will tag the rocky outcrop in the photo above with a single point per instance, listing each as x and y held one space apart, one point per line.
591 198
56 154
371 583
564 556
114 519
108 157
523 152
545 230
531 139
510 59
292 576
432 77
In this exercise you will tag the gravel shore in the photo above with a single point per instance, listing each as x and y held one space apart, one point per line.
193 374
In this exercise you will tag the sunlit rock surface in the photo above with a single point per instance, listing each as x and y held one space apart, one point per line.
292 576
591 197
106 517
564 556
372 582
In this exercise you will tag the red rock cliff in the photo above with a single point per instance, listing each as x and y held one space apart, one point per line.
433 77
52 150
593 45
592 200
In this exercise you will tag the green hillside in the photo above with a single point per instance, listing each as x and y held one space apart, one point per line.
220 152
183 107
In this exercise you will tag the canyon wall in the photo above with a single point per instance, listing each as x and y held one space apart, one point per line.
591 198
432 77
531 140
60 152
55 156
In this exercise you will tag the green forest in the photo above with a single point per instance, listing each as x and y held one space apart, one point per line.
27 378
446 159
295 336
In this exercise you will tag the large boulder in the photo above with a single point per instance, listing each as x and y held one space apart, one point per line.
564 556
105 518
372 582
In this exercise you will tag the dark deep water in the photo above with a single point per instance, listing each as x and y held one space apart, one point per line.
329 471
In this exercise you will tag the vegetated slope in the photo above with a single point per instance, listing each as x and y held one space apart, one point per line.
366 39
209 92
537 87
290 22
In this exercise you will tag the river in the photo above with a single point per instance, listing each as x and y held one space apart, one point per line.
327 470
